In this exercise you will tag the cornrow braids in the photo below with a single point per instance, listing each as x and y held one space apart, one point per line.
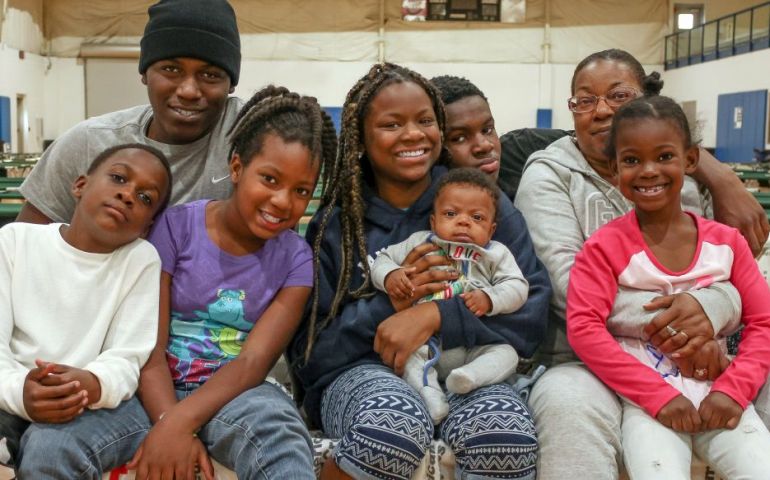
655 107
293 117
344 189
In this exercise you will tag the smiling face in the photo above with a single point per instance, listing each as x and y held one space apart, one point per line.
273 189
118 200
464 213
651 163
401 136
471 136
187 97
592 128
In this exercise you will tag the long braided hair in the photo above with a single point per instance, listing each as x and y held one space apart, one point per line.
294 118
344 189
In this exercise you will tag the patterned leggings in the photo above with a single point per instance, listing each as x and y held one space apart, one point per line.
385 428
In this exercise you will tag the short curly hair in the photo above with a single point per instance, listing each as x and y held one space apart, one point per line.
472 177
452 88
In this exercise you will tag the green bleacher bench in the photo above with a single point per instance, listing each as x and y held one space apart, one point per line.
17 164
11 199
6 182
10 194
9 210
312 207
753 175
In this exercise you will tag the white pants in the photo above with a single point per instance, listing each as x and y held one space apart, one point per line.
655 452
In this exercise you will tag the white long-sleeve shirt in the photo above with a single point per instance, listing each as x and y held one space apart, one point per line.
98 312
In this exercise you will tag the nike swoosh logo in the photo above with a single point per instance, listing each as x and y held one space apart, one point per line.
217 180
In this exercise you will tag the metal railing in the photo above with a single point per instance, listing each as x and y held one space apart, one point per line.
740 32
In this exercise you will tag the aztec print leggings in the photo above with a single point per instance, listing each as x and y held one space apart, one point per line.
385 428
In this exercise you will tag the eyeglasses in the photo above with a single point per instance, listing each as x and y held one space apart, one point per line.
614 99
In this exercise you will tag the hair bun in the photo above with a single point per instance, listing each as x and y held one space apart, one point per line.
652 84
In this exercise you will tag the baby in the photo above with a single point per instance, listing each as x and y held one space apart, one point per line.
489 282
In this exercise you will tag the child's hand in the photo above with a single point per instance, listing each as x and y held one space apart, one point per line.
52 404
398 285
61 374
679 414
477 302
169 452
718 410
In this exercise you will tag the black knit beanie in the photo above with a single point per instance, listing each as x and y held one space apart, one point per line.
202 29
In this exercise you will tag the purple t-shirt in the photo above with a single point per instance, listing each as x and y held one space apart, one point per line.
216 297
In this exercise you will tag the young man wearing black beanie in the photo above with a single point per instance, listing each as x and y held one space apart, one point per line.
190 61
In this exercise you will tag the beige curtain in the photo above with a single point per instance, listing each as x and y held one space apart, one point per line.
348 30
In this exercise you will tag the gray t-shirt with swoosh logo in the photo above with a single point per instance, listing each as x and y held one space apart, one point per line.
200 169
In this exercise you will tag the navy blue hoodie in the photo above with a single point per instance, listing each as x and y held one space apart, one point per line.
348 339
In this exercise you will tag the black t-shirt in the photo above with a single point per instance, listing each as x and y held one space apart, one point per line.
517 146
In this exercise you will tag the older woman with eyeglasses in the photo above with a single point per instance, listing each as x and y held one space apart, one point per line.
568 191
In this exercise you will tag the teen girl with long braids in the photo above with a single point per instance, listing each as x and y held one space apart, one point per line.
353 345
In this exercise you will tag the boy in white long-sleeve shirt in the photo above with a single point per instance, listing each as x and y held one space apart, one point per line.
78 319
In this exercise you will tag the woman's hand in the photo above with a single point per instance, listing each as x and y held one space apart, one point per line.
738 208
718 410
682 328
401 334
169 452
733 204
679 414
705 364
426 280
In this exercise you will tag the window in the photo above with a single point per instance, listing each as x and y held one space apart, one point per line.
464 10
687 16
685 21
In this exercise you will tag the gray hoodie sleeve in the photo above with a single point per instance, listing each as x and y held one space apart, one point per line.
543 198
721 303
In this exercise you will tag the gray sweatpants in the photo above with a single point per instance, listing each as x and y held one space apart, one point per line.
578 424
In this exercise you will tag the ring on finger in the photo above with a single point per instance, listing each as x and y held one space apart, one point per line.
701 372
671 330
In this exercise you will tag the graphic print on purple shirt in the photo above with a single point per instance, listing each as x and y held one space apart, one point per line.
217 333
216 297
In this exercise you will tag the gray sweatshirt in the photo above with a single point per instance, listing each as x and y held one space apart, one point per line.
564 201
